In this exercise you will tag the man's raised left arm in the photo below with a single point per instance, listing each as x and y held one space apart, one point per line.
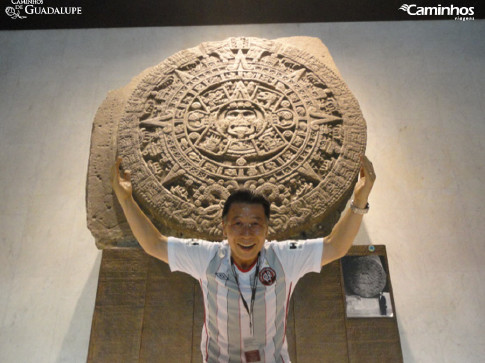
339 241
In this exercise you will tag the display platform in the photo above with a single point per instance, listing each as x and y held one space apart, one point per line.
145 313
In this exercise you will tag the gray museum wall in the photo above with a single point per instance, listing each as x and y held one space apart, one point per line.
421 87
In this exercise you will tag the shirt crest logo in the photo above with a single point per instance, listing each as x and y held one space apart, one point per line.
267 276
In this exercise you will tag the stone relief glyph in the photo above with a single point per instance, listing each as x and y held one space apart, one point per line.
243 112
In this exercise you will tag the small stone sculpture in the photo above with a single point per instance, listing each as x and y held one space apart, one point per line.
364 275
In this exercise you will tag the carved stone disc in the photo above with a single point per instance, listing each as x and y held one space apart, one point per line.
244 112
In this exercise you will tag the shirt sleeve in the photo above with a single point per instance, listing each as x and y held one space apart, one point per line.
191 256
300 257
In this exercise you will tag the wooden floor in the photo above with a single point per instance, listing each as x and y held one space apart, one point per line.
145 313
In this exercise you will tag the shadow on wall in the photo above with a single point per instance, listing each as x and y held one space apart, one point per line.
75 345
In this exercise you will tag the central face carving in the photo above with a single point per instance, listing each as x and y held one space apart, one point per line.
240 120
241 123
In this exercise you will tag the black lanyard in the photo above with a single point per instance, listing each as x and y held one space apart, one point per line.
254 284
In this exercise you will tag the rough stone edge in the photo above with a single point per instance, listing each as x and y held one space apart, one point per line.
107 222
315 47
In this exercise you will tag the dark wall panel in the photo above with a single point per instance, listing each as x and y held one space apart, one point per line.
18 14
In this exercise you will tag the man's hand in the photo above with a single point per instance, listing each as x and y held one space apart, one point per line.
150 239
338 242
121 183
365 183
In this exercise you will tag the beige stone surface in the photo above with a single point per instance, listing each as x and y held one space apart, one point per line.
105 217
269 115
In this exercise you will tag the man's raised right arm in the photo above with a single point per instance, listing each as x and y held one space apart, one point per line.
151 240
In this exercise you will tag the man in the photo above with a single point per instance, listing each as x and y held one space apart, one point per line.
246 281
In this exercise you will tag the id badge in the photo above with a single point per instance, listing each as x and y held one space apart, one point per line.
252 353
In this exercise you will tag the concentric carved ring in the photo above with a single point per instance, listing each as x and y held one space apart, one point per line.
244 112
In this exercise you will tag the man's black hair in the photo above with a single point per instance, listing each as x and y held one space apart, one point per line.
249 197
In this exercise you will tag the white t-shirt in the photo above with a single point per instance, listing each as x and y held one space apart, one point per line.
226 333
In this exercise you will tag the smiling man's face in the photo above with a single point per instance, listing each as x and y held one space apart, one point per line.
245 227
